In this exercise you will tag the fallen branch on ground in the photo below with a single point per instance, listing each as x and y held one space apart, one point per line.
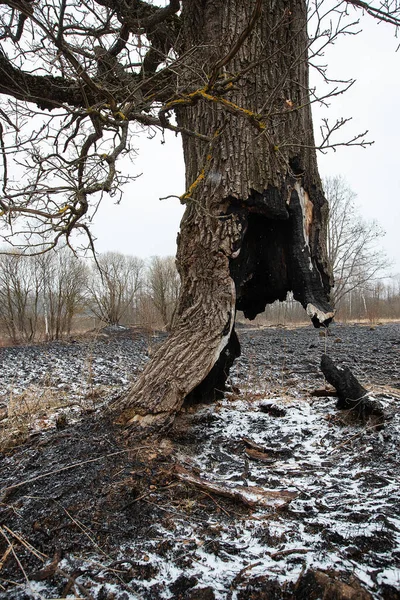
250 444
251 496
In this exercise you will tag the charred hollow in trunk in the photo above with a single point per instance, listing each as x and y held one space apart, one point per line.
255 219
275 258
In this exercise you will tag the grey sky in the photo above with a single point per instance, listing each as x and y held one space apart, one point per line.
142 225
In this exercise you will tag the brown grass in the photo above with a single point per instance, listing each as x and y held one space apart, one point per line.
30 411
37 409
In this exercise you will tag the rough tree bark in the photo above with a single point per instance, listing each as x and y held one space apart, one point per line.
255 219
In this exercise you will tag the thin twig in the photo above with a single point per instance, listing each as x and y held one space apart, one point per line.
216 503
353 437
27 545
5 556
66 468
15 556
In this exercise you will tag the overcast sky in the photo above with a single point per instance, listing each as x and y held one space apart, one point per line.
142 225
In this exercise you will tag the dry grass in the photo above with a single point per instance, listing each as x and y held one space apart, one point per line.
36 401
39 408
386 389
32 410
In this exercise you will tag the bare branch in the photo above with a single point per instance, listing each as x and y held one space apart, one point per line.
388 11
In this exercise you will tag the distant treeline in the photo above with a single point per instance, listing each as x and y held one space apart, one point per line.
52 295
55 294
378 301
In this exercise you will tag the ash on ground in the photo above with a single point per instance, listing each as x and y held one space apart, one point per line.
84 515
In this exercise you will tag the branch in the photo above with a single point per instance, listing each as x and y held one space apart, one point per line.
49 92
162 14
120 44
201 94
141 16
46 91
162 35
326 133
25 9
165 124
4 156
249 496
388 16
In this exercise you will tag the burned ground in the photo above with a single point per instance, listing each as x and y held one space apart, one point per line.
86 513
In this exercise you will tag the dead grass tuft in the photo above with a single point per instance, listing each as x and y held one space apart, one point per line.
33 410
41 407
26 412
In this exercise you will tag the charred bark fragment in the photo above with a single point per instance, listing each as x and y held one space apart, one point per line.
351 394
306 277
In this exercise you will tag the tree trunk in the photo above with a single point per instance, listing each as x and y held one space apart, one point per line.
255 221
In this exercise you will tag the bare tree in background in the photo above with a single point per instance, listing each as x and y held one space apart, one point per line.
40 294
114 282
64 278
21 287
353 242
235 75
163 287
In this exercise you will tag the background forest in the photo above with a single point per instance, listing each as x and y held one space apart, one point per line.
55 295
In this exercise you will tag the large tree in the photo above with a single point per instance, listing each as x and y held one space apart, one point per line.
235 76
